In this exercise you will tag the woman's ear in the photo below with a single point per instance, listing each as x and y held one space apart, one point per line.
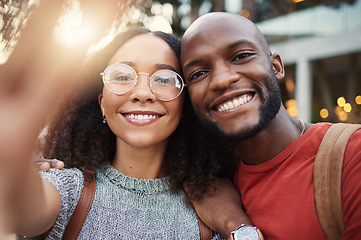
277 66
100 101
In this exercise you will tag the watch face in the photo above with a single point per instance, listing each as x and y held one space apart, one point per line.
246 233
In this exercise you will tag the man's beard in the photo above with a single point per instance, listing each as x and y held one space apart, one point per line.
271 104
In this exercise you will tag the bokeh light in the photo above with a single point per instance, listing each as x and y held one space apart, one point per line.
324 113
290 85
291 107
358 100
71 30
347 107
342 116
245 13
341 101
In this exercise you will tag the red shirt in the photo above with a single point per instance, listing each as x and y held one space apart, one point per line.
278 195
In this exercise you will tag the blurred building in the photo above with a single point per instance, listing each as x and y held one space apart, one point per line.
320 44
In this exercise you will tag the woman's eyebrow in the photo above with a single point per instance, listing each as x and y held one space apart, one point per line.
127 63
165 66
159 66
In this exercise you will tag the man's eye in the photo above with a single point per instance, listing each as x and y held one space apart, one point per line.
241 56
197 75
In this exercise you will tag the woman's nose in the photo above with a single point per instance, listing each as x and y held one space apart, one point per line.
142 91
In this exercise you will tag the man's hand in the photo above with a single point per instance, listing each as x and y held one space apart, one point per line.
44 164
221 208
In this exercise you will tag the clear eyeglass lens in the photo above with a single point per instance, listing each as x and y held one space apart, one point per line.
166 84
119 78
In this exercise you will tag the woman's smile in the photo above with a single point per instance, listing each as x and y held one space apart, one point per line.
141 118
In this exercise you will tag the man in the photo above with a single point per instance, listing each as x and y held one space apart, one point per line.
232 78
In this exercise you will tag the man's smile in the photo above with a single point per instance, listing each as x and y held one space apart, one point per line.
235 102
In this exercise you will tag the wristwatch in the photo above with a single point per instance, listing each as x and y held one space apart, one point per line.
246 232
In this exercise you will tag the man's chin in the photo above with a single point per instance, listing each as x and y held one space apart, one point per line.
233 135
244 133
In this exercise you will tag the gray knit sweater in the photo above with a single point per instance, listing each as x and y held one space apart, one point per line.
124 207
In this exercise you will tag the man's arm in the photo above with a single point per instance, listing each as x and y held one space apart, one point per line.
221 208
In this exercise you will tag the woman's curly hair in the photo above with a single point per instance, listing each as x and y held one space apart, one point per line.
77 135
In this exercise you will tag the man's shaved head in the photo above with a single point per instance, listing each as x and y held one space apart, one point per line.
219 20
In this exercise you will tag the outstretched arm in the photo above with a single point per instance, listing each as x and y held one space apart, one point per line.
221 208
38 73
32 80
29 204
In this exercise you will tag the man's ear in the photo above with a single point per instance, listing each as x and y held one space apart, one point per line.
100 101
277 66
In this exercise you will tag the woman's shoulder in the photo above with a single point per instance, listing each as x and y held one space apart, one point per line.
63 176
69 183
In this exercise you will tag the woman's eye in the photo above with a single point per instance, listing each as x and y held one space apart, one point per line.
241 56
122 78
197 75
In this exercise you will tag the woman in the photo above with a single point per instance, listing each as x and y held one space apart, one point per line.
140 144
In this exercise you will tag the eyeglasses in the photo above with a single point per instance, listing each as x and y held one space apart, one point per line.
121 78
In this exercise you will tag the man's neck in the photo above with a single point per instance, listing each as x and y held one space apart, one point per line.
270 141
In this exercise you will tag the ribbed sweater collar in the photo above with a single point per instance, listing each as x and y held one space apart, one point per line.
144 186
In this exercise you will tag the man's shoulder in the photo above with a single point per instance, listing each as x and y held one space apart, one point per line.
353 129
322 127
346 132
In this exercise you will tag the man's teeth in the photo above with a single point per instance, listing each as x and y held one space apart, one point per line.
236 102
140 116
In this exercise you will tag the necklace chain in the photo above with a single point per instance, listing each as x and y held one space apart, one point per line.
303 127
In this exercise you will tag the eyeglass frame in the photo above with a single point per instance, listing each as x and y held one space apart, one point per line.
149 78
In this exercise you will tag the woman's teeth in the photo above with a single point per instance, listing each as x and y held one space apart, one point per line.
140 116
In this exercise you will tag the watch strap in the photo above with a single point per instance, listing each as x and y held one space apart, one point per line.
230 237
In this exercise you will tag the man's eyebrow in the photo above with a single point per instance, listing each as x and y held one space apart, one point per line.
237 43
191 63
230 46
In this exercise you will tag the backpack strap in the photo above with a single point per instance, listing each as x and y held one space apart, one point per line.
80 213
204 231
327 178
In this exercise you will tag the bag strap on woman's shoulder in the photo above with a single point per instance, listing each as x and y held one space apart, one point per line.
80 213
327 175
204 231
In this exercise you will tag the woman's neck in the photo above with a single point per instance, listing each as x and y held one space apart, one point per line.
142 163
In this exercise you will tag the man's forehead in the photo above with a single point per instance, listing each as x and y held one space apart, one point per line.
222 27
213 21
218 28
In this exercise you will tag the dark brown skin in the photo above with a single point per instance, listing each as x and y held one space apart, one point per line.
225 57
224 202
